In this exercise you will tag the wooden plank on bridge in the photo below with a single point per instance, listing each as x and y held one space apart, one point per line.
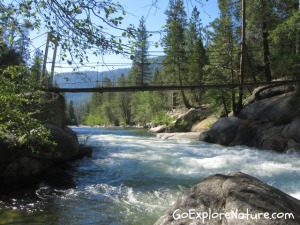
170 87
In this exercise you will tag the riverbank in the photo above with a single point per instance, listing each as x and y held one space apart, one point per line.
269 120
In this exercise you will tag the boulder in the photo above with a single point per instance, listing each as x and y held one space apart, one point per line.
279 110
84 151
271 124
224 130
204 136
26 166
185 122
294 129
159 129
269 91
235 199
194 136
271 138
204 124
195 114
19 166
53 110
67 145
7 152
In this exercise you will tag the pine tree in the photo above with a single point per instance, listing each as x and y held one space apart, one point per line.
36 68
224 55
193 32
123 102
198 60
285 39
96 101
141 67
175 62
197 57
70 114
260 21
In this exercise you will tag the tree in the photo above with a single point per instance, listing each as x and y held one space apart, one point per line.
8 56
141 66
175 62
260 21
223 51
146 105
81 25
193 31
123 102
36 68
20 101
70 114
102 108
285 39
21 44
196 53
95 101
198 60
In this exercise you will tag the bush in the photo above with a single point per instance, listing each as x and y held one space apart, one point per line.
180 126
20 100
161 118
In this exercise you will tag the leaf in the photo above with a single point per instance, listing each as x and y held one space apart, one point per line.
120 47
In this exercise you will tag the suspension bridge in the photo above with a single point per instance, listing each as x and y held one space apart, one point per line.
170 87
146 86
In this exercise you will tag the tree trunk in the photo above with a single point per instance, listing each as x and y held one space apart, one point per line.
232 73
224 103
298 36
184 98
242 60
267 65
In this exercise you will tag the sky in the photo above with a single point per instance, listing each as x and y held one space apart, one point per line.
155 19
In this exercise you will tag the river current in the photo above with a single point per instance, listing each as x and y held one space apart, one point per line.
133 177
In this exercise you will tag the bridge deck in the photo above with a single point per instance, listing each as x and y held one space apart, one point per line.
170 87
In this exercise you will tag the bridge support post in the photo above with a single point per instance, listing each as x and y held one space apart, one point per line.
54 40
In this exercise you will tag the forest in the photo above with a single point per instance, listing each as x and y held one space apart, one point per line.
246 43
203 55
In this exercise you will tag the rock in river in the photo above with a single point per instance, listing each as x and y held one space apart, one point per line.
235 199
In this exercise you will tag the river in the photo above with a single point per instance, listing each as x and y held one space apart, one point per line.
133 177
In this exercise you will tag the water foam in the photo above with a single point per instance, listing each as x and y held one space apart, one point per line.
136 178
296 195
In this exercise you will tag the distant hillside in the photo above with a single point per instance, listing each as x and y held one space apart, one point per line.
86 80
89 79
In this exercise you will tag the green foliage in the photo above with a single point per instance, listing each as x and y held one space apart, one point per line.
161 117
70 114
272 41
19 100
74 21
175 62
140 73
180 126
146 105
95 119
36 68
286 36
